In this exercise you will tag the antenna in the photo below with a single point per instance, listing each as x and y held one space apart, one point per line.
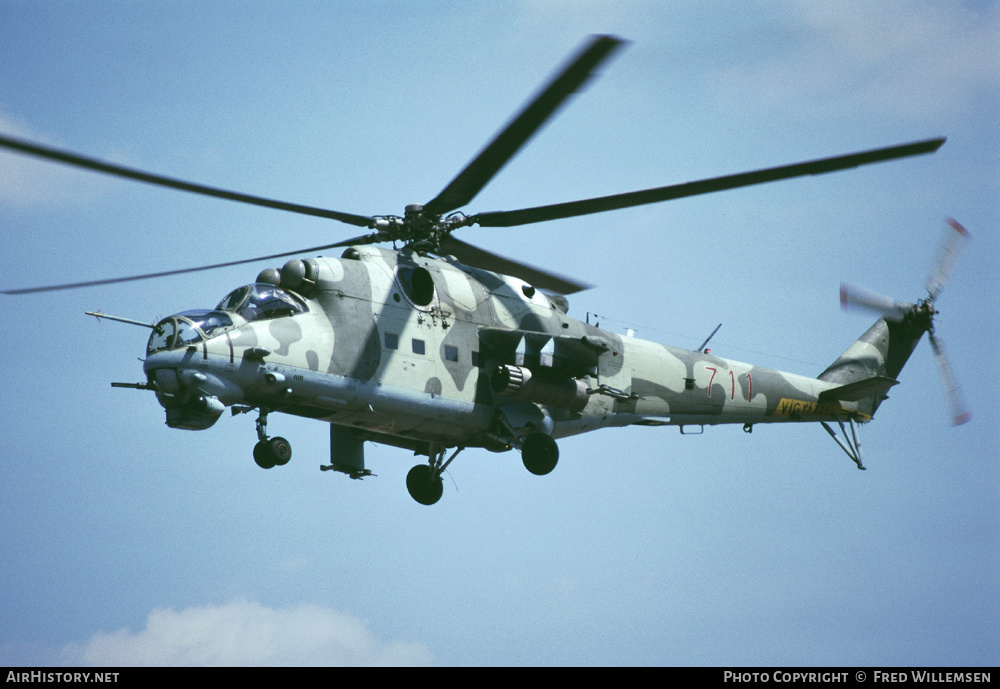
702 347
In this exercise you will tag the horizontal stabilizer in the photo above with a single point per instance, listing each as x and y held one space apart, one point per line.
877 385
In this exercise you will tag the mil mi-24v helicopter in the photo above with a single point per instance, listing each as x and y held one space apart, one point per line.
440 346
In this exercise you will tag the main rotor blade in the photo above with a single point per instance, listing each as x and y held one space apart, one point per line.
509 141
34 149
959 414
480 258
950 253
147 276
676 191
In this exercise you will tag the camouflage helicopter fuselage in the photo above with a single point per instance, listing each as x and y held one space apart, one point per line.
426 353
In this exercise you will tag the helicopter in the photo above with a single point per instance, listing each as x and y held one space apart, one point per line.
438 346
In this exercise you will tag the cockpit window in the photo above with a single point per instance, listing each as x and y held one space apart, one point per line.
234 299
208 321
186 334
163 336
260 301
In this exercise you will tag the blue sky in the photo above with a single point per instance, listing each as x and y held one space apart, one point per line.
126 542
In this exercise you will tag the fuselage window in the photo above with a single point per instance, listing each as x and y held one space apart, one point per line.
391 341
450 353
418 346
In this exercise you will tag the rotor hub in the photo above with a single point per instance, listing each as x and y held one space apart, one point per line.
922 315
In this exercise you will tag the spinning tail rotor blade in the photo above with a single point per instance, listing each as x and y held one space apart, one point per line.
949 256
959 414
863 298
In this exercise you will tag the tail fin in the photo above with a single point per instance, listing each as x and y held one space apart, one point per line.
870 366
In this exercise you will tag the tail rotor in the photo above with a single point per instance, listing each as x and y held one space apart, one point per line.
921 315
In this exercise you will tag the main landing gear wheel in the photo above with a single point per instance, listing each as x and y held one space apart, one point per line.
272 452
424 480
424 485
539 454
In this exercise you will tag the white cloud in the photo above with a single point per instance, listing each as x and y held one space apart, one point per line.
25 180
243 633
917 57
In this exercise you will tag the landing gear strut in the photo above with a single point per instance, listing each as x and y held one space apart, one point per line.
424 480
270 452
850 444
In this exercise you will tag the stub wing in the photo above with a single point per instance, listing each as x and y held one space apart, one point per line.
574 355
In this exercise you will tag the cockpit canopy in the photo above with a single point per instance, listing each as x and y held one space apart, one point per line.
261 300
254 302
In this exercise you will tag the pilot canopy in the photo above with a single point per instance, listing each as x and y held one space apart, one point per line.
260 301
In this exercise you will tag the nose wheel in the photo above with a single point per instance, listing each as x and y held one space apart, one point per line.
270 452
